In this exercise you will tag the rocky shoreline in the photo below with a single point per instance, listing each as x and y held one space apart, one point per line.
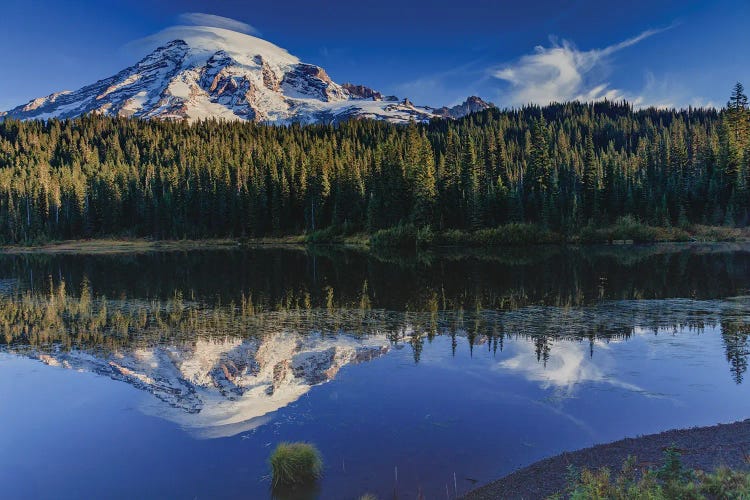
703 448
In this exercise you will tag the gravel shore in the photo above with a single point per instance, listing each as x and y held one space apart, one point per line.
703 448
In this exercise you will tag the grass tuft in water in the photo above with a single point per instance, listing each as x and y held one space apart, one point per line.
295 464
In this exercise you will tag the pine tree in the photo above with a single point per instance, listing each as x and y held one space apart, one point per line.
590 180
425 191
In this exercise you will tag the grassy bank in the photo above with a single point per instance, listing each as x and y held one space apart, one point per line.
701 462
626 230
409 237
105 246
669 481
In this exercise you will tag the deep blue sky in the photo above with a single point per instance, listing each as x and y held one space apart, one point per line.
435 52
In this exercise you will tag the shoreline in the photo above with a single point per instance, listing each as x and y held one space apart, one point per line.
703 448
115 245
104 246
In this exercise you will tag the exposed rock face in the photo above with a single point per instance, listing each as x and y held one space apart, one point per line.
312 81
209 383
231 90
217 73
270 80
473 104
362 92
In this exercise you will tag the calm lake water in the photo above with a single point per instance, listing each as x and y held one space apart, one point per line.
175 374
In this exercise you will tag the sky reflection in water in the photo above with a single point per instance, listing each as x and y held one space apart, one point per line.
157 384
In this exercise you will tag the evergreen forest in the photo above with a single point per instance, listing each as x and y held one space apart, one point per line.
560 167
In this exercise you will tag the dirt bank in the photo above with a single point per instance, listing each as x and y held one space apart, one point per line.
702 448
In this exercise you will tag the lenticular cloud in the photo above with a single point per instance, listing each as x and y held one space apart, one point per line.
213 21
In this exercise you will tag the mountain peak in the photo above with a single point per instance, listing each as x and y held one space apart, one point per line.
206 40
473 104
200 72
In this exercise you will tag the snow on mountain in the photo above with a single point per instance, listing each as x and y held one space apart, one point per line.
221 387
199 72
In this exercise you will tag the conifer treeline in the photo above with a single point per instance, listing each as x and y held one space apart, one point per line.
562 166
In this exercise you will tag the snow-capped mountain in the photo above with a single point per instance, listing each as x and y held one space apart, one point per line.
206 72
221 387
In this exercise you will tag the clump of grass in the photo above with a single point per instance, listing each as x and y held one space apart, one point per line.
629 228
718 233
330 234
295 464
512 234
505 235
336 234
403 236
408 236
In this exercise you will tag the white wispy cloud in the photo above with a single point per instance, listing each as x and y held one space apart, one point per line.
568 367
563 72
214 21
670 91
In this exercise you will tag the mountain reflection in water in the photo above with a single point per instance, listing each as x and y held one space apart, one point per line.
218 370
445 365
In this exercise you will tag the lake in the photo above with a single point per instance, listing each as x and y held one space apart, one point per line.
175 374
